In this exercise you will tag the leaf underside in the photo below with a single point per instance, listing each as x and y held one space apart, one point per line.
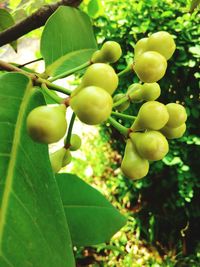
67 39
91 218
33 228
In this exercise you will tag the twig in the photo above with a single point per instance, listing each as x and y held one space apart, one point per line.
34 21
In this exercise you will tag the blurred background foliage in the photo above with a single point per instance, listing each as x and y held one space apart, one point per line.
163 209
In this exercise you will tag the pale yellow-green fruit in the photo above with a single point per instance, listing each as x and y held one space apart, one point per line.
111 51
173 133
97 57
150 91
151 145
134 93
100 75
133 166
177 115
163 43
47 124
150 66
152 115
92 105
124 105
67 158
140 47
56 159
75 142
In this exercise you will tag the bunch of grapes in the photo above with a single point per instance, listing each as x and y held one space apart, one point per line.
92 102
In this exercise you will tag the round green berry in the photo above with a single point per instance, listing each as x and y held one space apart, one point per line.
163 43
177 115
92 105
100 75
47 124
150 66
152 115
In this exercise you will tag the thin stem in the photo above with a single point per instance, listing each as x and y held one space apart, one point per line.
34 77
123 130
120 101
128 69
51 94
125 116
30 62
70 72
54 86
69 133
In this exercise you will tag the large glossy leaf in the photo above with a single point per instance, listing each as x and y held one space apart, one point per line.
33 227
6 20
91 218
67 40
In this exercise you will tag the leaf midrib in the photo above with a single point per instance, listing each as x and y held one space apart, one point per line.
11 166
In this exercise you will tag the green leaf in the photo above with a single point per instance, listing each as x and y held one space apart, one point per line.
67 40
91 218
6 21
33 228
94 8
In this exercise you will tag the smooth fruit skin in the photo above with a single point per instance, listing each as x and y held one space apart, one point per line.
151 145
56 159
177 115
47 124
150 91
111 51
123 106
75 142
67 158
163 43
173 133
152 115
150 66
100 75
97 57
133 166
92 105
134 93
140 47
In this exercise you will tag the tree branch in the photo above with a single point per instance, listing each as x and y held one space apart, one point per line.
34 21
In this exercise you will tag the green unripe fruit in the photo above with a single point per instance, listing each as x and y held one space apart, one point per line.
56 159
122 106
75 142
47 124
173 133
111 51
92 105
100 75
133 166
67 158
150 66
177 115
97 57
150 91
163 43
151 145
135 93
140 47
152 115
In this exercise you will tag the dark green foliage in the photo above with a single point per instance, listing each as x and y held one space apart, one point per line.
170 192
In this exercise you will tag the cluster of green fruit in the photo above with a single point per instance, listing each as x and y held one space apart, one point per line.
147 141
92 102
